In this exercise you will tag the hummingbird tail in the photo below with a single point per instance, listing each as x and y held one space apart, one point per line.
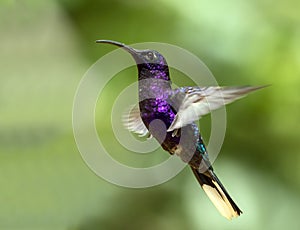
217 193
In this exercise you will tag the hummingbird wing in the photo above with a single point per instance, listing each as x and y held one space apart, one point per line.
133 121
199 101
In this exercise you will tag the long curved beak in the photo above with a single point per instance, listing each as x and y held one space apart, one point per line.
129 49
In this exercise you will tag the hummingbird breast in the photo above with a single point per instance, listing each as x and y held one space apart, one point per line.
158 108
157 115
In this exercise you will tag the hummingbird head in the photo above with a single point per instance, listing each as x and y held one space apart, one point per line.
149 62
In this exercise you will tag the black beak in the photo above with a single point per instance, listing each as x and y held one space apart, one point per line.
132 51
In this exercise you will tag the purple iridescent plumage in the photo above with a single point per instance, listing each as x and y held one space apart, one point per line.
157 101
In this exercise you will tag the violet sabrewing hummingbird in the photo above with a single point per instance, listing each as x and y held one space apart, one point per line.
169 116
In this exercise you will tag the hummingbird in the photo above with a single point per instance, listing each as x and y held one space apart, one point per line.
169 115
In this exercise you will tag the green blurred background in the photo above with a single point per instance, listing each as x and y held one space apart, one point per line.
47 46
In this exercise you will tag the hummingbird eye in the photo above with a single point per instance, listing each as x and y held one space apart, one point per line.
150 56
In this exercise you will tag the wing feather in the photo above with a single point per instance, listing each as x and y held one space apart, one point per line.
133 121
199 101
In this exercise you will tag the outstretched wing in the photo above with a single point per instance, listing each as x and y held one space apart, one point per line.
199 101
133 121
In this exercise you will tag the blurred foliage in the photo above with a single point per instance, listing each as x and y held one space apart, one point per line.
47 46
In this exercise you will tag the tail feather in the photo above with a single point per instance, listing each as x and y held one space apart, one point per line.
217 193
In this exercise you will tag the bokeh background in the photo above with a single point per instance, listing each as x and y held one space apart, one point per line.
47 46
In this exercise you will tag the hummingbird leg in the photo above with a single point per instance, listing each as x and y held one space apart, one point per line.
176 150
175 133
